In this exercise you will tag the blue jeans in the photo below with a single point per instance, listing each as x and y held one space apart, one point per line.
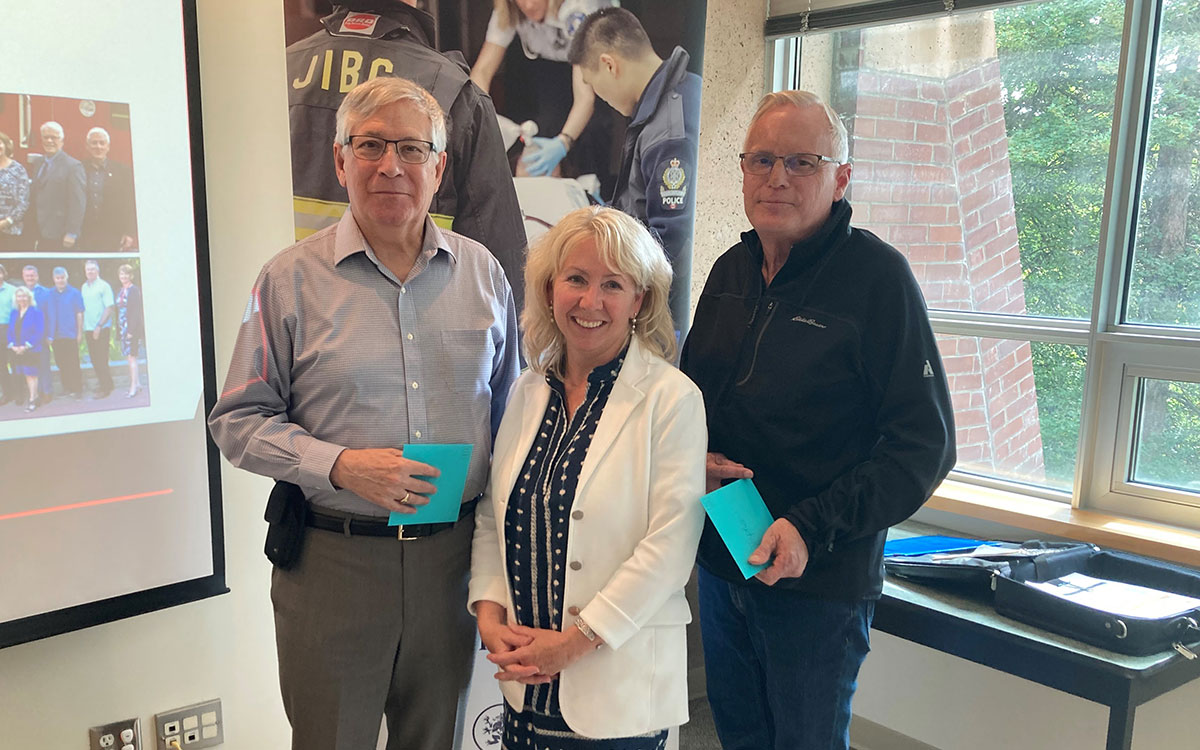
781 667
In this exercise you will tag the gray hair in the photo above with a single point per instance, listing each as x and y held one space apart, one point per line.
838 139
60 270
52 125
101 131
365 98
92 263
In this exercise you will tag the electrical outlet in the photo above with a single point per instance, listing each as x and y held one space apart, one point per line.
194 727
119 735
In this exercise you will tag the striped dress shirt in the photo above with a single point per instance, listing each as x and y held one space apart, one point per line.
336 352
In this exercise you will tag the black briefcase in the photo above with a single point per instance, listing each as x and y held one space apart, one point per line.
967 572
1065 592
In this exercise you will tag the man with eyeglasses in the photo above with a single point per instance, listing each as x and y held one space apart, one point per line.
363 39
381 331
822 382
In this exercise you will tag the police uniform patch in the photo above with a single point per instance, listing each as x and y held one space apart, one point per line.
573 22
359 23
674 189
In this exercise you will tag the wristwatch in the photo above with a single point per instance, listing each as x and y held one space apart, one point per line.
587 631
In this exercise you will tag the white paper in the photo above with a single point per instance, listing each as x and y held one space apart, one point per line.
1118 598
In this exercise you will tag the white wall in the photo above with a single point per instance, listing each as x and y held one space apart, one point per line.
52 690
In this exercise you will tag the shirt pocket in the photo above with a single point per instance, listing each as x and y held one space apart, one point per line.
466 360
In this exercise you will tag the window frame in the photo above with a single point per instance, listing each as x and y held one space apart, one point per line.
1118 353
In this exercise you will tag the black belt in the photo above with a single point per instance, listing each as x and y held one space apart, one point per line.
367 527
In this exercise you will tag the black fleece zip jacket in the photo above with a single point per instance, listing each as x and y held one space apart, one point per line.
827 383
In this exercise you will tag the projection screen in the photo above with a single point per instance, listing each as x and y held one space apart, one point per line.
109 485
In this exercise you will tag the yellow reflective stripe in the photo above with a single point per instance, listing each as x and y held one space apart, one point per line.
314 207
322 211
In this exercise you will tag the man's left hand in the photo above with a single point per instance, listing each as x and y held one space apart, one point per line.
548 653
783 542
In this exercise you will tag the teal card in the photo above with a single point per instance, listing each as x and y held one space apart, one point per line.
741 518
452 460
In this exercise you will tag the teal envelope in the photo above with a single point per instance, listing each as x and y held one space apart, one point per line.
452 460
741 518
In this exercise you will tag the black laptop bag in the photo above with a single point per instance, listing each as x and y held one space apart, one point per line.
1128 635
970 575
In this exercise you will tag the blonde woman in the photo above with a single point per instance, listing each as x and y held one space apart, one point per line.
545 28
131 326
26 337
583 548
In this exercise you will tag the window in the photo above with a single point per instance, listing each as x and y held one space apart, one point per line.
1164 454
1039 165
1016 407
1164 283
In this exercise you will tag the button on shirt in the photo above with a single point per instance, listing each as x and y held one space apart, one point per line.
67 304
97 297
537 522
335 352
97 175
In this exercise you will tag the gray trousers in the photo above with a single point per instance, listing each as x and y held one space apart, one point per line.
371 626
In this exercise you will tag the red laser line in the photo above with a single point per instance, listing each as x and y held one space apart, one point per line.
85 504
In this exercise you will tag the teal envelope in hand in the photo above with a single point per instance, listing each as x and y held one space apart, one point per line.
453 460
741 518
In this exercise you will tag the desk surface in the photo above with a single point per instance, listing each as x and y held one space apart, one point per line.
969 627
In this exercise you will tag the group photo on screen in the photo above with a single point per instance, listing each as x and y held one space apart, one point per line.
66 176
73 333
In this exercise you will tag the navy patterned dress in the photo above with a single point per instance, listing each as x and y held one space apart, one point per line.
535 532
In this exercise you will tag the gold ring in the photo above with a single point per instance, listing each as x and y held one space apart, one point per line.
404 500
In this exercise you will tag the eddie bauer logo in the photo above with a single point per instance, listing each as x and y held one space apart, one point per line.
808 321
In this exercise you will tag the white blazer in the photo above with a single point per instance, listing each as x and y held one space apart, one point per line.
634 528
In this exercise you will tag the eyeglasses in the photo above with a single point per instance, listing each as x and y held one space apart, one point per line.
372 148
797 165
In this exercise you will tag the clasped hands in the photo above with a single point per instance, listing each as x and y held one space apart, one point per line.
385 477
530 656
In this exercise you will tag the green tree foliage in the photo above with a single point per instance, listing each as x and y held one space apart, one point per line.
1059 63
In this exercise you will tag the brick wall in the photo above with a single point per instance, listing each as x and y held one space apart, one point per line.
931 176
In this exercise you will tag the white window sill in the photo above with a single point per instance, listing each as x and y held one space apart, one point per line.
1156 540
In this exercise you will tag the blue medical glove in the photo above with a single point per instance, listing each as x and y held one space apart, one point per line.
550 151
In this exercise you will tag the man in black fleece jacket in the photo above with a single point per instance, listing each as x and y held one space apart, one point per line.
822 381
